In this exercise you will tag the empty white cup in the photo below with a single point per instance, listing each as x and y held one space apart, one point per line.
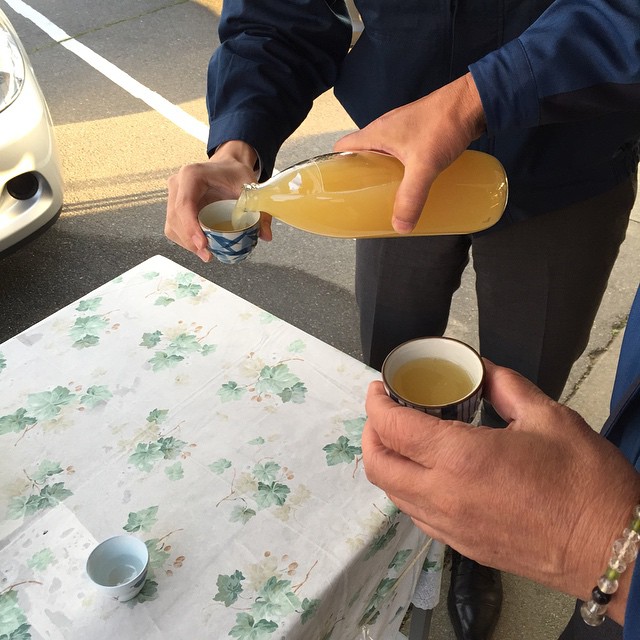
118 566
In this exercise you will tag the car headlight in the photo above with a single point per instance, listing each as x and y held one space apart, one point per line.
11 67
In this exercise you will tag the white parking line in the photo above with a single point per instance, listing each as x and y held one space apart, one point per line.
175 114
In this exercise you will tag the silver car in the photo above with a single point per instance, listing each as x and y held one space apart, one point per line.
31 187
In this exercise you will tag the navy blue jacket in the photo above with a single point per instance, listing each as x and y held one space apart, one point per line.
559 81
623 429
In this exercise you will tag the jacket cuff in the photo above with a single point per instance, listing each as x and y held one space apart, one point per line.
249 128
507 88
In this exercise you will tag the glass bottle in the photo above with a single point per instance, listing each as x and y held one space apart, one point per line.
351 195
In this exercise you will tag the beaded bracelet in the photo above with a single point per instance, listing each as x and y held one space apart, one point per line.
625 551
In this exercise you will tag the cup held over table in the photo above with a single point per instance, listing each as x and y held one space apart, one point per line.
229 241
440 376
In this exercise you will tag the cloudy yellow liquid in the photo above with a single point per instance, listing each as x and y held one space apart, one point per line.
351 195
432 381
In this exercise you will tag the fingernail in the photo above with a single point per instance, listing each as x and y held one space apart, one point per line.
402 226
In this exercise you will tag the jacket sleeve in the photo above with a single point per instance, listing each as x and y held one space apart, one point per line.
579 60
275 57
631 628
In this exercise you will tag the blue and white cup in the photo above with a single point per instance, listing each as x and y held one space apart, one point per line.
118 567
463 407
228 244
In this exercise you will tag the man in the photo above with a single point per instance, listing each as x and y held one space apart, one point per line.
552 83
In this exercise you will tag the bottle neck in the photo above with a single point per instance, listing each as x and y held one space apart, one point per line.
248 200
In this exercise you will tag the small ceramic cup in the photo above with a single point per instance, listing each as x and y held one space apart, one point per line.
227 244
440 376
118 567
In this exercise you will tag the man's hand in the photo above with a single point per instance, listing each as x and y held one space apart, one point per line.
426 136
199 184
543 498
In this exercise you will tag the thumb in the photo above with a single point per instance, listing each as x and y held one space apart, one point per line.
411 195
361 140
516 399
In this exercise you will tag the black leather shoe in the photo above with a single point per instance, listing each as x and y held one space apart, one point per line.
475 598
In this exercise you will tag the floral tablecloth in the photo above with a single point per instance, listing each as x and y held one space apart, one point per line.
229 441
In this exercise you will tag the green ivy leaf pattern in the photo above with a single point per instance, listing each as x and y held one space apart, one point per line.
182 286
89 305
3 361
95 396
175 471
16 422
272 381
173 350
341 451
40 495
141 520
354 428
183 345
275 599
231 391
185 287
266 471
41 560
266 318
275 379
150 275
21 633
272 599
372 610
47 404
45 470
171 447
257 441
297 346
431 566
262 488
157 416
241 514
86 331
229 588
382 541
347 447
272 494
400 559
157 554
149 591
163 360
148 453
220 466
13 622
309 608
150 340
52 494
295 394
247 628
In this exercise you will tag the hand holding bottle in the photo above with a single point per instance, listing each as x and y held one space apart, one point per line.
196 185
426 136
